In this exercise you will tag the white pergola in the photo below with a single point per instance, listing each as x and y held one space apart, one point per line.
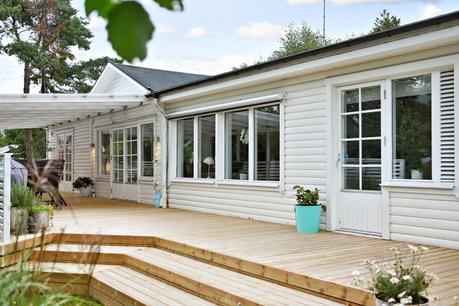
43 110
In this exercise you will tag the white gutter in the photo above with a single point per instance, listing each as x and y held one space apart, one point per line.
384 50
226 106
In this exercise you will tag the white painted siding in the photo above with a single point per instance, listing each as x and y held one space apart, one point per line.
428 216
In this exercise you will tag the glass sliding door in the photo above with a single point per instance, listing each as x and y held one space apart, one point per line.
65 153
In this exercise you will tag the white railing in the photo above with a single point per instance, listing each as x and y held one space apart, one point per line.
5 189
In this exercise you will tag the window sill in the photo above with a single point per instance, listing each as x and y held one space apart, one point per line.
250 183
193 181
418 184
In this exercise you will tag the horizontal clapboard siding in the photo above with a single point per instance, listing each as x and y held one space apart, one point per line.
305 147
425 216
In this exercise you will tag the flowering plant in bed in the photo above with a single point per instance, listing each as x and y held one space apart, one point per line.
403 281
307 210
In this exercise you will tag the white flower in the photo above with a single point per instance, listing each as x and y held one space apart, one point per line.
406 277
413 248
424 248
406 301
391 300
401 294
391 272
355 273
394 280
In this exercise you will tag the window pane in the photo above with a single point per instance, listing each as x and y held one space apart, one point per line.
371 98
412 105
147 149
371 152
185 147
351 126
371 178
371 124
351 152
351 178
267 137
207 147
105 153
350 100
237 145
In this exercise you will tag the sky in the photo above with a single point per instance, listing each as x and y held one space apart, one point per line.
212 36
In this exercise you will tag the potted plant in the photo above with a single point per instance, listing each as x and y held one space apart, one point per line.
21 201
42 214
84 185
402 281
307 210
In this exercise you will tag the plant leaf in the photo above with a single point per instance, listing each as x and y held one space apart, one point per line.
172 5
102 7
129 29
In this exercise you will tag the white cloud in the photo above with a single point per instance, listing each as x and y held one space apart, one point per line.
260 30
429 10
196 32
96 22
167 28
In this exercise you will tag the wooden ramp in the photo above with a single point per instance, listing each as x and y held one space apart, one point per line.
146 275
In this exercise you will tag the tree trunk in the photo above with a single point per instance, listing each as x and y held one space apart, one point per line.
28 132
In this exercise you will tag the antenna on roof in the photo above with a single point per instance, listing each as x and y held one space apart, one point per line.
323 22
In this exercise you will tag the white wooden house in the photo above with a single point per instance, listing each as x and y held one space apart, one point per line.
369 121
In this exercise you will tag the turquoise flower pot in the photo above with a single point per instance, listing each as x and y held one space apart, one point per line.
308 218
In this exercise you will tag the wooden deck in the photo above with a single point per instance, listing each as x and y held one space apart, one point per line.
327 256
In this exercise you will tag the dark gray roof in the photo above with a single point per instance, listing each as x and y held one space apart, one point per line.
157 79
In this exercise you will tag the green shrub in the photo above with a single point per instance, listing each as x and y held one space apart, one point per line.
38 206
306 197
22 196
82 182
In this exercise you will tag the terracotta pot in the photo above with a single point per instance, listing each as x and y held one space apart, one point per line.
86 191
382 303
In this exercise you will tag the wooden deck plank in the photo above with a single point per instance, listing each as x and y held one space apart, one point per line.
331 256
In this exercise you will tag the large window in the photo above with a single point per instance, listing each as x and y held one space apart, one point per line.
104 153
118 156
412 128
237 145
267 147
131 155
185 147
248 139
147 147
206 140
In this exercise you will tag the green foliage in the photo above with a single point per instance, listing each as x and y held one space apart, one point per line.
128 25
82 182
297 39
306 197
38 206
22 196
16 138
385 21
25 285
403 280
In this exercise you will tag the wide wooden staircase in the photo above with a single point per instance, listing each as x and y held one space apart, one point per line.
124 270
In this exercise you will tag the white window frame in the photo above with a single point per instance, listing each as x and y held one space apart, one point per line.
220 152
140 155
66 133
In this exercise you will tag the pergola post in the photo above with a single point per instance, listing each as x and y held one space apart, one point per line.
5 191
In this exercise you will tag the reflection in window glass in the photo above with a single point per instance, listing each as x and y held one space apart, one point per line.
371 97
185 147
131 155
351 152
267 136
237 145
207 146
371 178
412 119
147 138
118 154
104 153
351 178
351 126
371 151
350 100
371 124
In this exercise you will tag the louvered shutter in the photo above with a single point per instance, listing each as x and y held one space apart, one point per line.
447 126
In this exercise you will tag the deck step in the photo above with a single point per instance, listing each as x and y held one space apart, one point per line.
118 285
217 284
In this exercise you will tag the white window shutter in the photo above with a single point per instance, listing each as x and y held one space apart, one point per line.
447 126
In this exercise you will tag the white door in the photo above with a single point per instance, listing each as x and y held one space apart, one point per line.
360 156
125 164
65 152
